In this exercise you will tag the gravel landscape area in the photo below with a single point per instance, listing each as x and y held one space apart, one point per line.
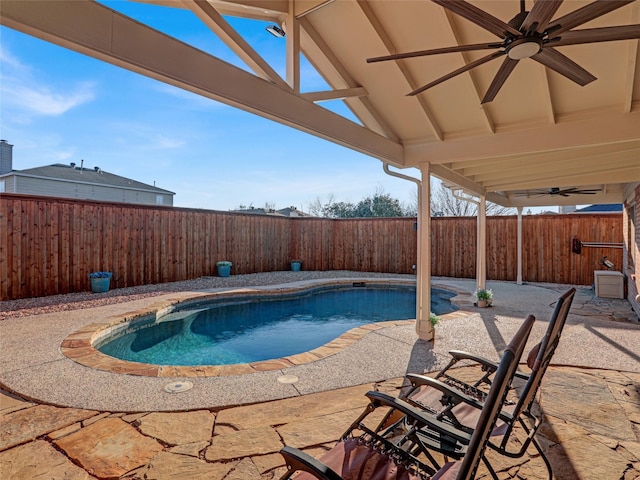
78 300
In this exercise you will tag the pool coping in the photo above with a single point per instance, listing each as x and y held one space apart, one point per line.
78 346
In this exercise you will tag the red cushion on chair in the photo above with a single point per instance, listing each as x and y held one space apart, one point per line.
354 460
533 354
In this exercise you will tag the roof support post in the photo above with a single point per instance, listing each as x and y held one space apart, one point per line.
519 277
423 267
293 49
481 248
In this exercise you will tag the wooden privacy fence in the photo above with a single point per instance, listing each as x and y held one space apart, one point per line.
49 245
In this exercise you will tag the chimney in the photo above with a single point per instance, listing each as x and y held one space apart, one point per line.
6 157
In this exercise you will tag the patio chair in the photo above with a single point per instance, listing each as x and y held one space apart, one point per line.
371 455
451 399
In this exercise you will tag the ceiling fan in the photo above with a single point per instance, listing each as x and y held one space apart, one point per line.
530 34
563 192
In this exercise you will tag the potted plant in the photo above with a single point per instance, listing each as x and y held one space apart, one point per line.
434 319
100 281
224 268
296 265
484 297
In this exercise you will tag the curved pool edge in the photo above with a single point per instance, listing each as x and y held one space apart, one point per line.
78 346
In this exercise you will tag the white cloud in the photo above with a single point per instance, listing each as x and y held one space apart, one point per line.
40 100
28 95
8 60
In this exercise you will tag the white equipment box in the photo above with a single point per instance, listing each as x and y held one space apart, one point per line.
609 284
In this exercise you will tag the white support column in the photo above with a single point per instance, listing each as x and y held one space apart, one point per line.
481 255
519 278
293 49
423 266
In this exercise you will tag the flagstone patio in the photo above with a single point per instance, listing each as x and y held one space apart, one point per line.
591 426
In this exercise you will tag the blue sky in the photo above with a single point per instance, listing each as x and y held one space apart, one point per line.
58 106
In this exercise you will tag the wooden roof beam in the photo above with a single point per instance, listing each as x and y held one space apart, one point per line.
614 175
596 164
95 30
607 127
212 19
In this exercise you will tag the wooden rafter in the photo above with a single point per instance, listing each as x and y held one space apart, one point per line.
372 116
380 31
334 94
449 17
210 17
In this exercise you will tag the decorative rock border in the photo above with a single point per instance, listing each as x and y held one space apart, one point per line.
79 345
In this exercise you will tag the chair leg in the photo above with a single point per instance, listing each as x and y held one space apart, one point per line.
544 457
493 473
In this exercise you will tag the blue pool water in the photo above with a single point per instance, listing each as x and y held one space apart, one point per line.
249 329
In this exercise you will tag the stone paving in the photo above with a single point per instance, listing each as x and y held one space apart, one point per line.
591 426
591 431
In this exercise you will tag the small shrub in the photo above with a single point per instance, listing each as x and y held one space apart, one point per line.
100 275
483 294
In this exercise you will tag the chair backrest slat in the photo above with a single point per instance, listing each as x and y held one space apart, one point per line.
495 400
545 353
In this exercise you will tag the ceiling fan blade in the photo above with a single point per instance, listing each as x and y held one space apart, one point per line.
457 72
564 66
478 16
436 51
593 35
584 14
503 73
540 15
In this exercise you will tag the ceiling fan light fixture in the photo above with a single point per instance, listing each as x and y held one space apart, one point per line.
524 48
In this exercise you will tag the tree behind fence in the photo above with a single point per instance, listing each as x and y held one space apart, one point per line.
49 246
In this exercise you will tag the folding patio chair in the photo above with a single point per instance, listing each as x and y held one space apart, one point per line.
451 399
364 453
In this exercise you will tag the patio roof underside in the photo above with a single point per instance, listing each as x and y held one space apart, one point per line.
541 131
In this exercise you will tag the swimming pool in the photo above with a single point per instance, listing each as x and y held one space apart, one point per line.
250 329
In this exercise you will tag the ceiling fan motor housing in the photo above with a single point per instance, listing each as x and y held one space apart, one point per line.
524 47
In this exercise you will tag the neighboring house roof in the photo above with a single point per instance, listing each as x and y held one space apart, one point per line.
258 211
97 176
293 212
607 207
283 212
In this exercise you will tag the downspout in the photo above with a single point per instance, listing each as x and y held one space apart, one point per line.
423 265
385 167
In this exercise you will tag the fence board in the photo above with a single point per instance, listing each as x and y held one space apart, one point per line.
50 245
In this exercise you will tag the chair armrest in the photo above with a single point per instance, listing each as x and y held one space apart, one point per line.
422 418
299 461
487 364
456 395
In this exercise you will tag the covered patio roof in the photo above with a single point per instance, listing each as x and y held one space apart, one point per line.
542 133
